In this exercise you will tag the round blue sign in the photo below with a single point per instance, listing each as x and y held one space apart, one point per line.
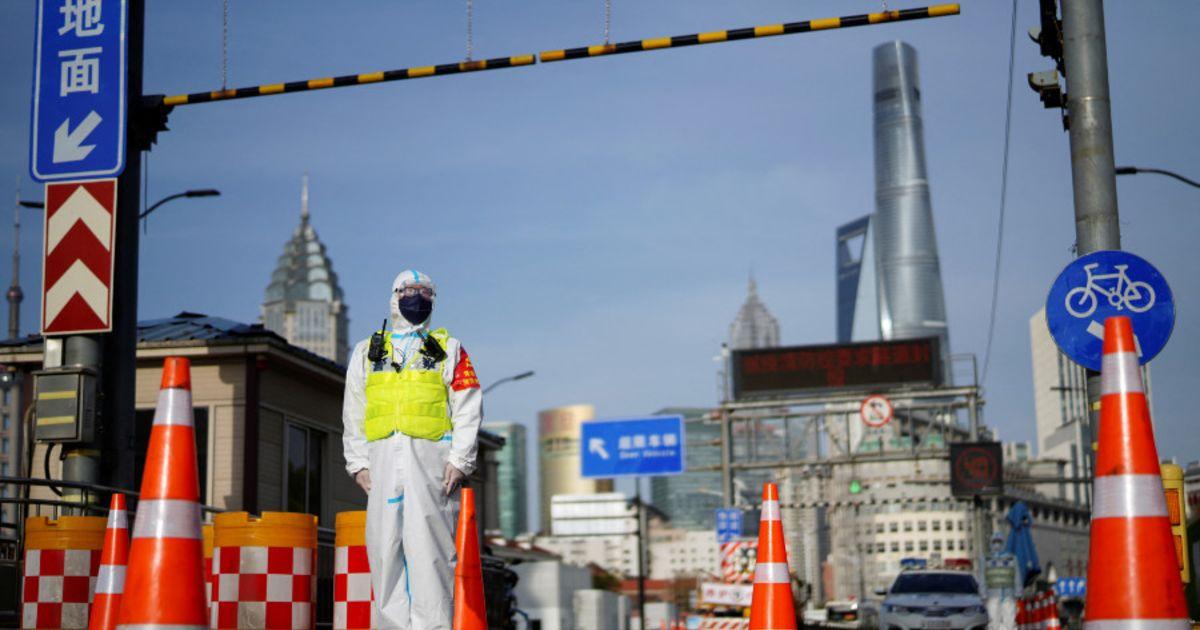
1103 284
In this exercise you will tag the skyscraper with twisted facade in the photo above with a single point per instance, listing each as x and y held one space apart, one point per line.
889 278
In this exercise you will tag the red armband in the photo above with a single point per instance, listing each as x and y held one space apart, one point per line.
464 373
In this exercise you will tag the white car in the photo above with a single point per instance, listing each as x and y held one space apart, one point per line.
933 600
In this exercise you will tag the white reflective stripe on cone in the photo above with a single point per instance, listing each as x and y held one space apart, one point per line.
1129 496
167 518
110 579
770 511
1137 624
1119 374
771 573
117 520
176 406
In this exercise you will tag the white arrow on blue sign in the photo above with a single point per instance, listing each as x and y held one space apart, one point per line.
1101 285
78 122
632 447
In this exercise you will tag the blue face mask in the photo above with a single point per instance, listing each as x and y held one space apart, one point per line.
415 308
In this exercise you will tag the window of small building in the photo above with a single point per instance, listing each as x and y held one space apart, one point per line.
302 474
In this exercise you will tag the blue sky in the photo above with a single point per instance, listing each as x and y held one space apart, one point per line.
596 220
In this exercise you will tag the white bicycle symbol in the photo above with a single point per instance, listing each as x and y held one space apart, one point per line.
1138 296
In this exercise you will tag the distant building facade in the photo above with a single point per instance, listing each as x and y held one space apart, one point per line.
303 302
593 528
690 499
676 552
13 390
888 519
511 478
559 459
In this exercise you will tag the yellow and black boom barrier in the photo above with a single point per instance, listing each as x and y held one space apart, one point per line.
352 79
771 30
497 63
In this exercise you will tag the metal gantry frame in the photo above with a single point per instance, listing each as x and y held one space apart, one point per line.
823 424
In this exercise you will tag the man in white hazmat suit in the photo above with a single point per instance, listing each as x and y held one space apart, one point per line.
411 412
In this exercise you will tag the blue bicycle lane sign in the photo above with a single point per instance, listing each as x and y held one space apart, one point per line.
1104 284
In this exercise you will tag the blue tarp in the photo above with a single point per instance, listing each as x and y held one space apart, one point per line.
1020 542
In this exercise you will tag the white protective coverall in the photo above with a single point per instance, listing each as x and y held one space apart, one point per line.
410 520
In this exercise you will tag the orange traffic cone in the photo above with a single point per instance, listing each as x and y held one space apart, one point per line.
164 586
772 607
106 602
470 610
1133 574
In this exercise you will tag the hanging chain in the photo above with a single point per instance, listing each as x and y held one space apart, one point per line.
224 44
470 40
607 20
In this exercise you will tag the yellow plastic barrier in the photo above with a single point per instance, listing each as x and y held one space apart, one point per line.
206 533
62 558
353 601
269 563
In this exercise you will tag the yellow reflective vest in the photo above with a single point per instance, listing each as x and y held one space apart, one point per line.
412 401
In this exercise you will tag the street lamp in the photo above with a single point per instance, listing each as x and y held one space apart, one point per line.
1134 170
515 377
200 192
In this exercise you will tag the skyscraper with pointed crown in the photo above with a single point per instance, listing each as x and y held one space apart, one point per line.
754 326
304 302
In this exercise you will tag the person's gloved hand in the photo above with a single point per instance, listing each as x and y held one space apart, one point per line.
363 479
452 478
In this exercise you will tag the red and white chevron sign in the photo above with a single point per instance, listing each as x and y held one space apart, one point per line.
78 257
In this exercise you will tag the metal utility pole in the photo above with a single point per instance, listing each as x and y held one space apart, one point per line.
14 291
1093 173
120 355
641 551
110 458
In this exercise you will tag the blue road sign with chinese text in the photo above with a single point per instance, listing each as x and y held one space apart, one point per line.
77 129
729 524
1103 284
632 447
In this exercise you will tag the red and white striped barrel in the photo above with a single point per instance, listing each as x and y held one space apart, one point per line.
62 561
353 600
264 571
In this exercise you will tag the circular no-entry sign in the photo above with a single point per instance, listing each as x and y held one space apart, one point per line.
876 411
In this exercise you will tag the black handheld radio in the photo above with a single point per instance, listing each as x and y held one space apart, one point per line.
377 351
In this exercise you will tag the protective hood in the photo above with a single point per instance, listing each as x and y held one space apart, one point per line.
407 278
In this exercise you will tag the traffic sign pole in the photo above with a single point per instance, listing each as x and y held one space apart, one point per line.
89 123
121 356
1093 173
111 458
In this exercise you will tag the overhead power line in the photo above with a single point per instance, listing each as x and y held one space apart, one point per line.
1012 44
